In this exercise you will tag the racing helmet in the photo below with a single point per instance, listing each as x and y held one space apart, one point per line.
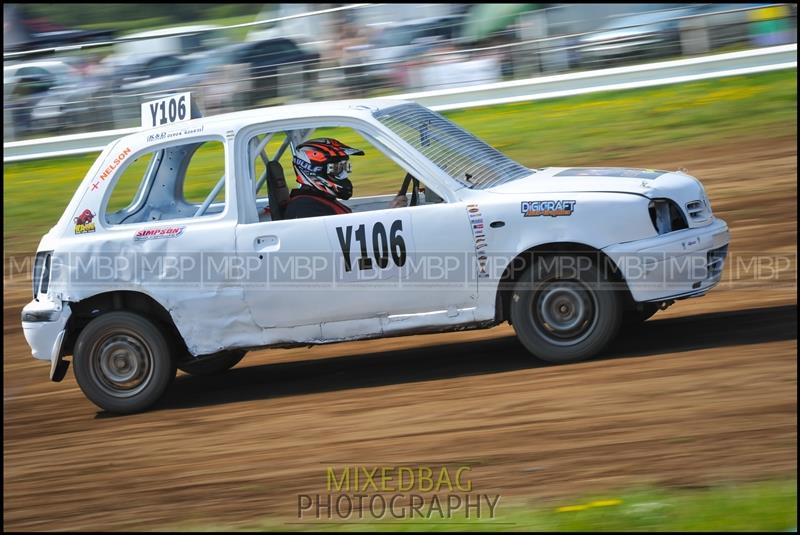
323 163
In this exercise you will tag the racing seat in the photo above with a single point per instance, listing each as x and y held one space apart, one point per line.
277 190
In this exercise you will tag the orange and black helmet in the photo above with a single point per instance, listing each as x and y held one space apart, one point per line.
323 163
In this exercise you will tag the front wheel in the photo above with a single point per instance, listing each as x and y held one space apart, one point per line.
564 310
122 362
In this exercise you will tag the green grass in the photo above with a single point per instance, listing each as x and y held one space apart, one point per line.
582 130
765 506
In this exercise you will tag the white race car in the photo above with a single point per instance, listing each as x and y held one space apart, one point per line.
173 251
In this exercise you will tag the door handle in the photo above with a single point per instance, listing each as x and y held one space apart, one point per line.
266 243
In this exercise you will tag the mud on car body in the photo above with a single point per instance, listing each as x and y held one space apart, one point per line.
141 277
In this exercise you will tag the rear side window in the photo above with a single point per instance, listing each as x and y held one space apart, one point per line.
128 183
202 175
180 181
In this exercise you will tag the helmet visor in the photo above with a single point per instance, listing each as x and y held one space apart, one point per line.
339 169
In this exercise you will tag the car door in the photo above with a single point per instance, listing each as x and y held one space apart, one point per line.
406 261
363 265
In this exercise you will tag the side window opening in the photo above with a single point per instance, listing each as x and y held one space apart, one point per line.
170 183
129 185
203 173
376 177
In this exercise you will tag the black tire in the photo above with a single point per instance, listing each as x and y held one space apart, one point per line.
213 365
637 316
563 310
131 347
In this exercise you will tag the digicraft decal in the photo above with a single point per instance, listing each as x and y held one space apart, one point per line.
108 170
156 233
547 208
476 223
83 223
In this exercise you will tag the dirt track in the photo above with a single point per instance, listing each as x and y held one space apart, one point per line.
703 393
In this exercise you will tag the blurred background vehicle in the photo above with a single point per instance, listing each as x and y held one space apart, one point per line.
390 45
226 78
651 34
266 60
49 96
155 53
297 52
659 33
28 33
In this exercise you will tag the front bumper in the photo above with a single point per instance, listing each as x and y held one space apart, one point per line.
685 263
46 335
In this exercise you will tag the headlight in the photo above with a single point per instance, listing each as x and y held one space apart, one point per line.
40 315
666 216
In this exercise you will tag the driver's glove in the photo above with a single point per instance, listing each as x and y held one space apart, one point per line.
399 201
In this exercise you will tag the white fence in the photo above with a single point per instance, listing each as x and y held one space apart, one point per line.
660 73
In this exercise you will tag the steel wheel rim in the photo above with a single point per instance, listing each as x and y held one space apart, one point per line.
122 364
564 312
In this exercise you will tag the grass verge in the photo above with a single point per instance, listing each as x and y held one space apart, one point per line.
763 506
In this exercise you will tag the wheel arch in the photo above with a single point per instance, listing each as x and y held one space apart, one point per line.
517 266
91 307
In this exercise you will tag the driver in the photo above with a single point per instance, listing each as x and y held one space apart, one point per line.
322 166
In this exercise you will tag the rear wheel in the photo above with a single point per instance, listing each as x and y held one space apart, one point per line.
563 310
122 362
213 364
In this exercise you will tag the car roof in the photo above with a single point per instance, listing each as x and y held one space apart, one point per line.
240 119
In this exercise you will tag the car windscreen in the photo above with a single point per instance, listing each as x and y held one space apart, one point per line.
455 151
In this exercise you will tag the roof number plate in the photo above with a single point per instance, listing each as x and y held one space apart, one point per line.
167 110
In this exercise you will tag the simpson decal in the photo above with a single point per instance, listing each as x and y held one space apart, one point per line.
156 233
83 222
547 208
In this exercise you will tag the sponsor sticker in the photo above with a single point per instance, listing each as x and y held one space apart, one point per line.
547 208
83 222
116 162
478 237
157 233
161 136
